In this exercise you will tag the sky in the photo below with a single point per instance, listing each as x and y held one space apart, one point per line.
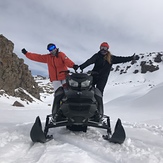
79 27
138 104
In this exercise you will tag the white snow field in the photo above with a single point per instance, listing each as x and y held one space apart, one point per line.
138 104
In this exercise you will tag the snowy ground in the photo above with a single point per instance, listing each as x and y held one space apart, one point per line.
138 106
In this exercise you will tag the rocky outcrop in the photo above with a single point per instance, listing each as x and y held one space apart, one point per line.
18 104
14 74
158 58
147 63
148 67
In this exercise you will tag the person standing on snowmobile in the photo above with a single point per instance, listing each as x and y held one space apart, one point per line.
103 61
56 61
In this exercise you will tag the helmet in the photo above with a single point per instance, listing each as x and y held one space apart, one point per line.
104 44
51 47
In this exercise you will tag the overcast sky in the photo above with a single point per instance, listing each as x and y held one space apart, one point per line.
78 27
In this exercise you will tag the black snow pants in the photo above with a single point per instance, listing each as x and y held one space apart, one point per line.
100 82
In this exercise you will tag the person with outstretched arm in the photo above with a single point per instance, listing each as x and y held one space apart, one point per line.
103 61
56 61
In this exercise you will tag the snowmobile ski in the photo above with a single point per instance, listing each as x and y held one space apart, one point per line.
119 134
36 134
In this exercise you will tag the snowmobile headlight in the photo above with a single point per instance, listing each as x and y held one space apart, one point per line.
85 83
73 83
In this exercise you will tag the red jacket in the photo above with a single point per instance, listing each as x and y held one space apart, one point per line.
55 64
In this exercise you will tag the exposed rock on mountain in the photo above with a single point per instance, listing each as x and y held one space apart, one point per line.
148 67
15 77
147 63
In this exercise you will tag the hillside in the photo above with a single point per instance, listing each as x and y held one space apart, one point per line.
143 74
135 98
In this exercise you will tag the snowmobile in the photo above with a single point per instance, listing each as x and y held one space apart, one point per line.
77 107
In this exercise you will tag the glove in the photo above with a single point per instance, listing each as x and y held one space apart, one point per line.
135 57
24 51
75 67
81 67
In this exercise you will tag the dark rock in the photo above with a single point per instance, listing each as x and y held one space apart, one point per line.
158 58
19 92
145 67
136 71
14 73
18 104
117 68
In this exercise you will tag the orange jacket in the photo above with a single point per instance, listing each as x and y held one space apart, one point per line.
55 64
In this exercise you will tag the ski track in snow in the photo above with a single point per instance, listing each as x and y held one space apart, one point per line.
143 145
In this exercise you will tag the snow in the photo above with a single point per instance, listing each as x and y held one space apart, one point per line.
135 98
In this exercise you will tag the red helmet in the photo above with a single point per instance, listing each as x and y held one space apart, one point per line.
104 44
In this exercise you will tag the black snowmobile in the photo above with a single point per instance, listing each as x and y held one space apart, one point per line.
78 106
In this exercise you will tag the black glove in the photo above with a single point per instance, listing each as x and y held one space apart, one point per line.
75 67
24 51
135 57
81 67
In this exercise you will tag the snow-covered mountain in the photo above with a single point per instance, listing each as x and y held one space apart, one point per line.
144 74
131 95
